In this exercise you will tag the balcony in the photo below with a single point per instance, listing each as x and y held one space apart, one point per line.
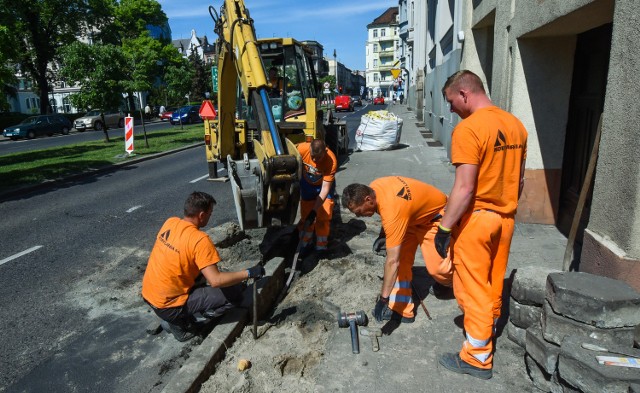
403 29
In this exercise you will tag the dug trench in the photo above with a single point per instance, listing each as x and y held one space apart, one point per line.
292 338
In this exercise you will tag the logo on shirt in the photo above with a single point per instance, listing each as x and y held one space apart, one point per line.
405 192
165 235
501 144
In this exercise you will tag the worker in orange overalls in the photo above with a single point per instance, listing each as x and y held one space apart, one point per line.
317 187
410 211
488 149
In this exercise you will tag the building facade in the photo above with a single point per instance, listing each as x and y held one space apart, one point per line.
382 54
568 69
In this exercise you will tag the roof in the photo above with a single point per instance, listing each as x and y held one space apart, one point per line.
388 17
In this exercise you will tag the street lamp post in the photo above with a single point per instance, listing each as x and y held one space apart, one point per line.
335 63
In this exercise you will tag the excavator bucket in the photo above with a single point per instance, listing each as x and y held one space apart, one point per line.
246 186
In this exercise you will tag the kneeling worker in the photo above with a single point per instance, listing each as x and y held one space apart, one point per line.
180 254
410 211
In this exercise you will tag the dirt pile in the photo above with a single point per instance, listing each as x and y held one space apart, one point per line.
292 339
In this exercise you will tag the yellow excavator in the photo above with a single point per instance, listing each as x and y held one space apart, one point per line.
261 117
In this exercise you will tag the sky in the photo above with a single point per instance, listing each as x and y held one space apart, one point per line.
335 24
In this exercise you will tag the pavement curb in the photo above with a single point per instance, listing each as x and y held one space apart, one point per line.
204 358
20 191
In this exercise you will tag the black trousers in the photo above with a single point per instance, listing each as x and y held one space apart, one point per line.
206 300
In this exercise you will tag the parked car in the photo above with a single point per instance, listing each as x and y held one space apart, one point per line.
378 101
166 115
34 126
189 114
93 120
343 103
357 100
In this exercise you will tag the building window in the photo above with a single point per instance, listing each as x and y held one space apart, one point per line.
67 105
375 48
375 33
375 77
383 32
54 105
375 62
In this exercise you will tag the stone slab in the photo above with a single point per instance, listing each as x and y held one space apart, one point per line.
579 368
595 300
530 284
555 327
542 351
540 378
516 334
524 315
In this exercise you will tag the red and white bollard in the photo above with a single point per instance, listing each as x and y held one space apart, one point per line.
128 134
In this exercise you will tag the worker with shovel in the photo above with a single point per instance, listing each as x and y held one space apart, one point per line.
410 211
316 192
182 252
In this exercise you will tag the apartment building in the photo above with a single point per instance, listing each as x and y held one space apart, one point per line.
568 69
382 54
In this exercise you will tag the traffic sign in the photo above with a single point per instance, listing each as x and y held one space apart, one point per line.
395 72
207 111
326 85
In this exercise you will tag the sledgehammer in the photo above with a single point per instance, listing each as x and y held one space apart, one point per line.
351 320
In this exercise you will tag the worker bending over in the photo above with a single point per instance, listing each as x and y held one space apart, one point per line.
410 211
180 254
316 192
488 149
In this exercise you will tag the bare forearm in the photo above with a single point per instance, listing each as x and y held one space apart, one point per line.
224 279
391 265
458 204
324 193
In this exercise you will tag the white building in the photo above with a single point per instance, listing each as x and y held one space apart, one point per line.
382 53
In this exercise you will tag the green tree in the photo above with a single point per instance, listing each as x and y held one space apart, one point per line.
175 77
39 28
132 18
7 72
98 69
199 80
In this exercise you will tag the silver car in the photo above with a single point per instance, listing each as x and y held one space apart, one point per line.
93 120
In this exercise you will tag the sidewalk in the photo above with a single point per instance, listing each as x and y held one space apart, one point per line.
407 360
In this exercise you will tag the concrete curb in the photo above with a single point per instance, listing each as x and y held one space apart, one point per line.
91 172
204 358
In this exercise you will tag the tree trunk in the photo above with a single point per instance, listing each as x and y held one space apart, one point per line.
105 129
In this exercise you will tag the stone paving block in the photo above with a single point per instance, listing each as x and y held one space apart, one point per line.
542 351
555 327
530 283
599 301
516 334
540 378
524 315
580 369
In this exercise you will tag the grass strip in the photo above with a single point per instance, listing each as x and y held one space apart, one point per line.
20 169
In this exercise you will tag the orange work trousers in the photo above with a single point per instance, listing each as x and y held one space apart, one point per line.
481 253
401 300
321 226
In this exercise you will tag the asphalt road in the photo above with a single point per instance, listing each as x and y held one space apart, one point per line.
72 317
71 264
7 146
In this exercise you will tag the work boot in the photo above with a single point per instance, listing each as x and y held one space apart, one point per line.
441 291
452 362
390 315
178 332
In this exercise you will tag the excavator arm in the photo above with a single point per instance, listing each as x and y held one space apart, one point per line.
263 168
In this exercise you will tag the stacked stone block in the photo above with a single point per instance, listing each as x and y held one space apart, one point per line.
576 308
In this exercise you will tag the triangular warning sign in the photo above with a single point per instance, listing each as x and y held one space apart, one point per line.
207 111
395 72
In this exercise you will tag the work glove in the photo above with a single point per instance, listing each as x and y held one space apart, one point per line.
380 245
311 217
442 240
381 304
256 272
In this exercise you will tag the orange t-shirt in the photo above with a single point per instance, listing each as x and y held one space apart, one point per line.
180 252
404 202
314 173
495 141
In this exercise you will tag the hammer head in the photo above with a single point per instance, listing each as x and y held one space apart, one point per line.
359 317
